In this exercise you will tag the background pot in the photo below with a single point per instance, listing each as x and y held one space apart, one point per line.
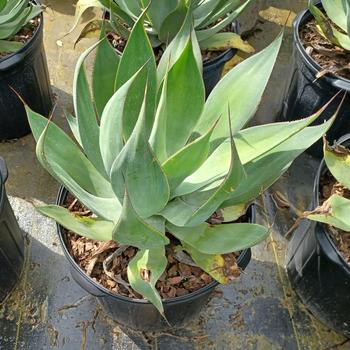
212 69
11 241
140 314
318 272
26 72
305 95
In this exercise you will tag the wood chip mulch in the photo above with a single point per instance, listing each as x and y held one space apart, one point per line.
106 263
332 59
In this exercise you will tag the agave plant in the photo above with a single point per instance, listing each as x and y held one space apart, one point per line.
14 15
335 210
152 157
334 24
164 19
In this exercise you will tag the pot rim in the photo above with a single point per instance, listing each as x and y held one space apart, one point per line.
334 80
316 201
60 197
29 43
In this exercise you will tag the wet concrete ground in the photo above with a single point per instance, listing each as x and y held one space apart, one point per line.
259 311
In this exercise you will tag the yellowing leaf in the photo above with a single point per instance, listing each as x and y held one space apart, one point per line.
224 41
144 271
211 264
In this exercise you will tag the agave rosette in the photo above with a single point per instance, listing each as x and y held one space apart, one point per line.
152 156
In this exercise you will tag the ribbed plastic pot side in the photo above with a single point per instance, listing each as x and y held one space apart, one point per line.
26 72
306 94
140 314
318 271
11 241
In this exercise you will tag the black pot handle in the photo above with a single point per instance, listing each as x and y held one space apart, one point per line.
3 170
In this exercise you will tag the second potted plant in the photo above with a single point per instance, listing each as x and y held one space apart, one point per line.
23 67
213 24
321 66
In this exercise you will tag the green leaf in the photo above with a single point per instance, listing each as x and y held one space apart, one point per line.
92 30
144 177
35 10
12 10
228 18
337 11
214 265
131 7
61 150
187 160
73 124
2 4
251 143
204 10
328 30
337 159
89 130
181 117
81 7
111 128
173 22
10 5
220 239
108 208
132 230
7 30
157 138
103 79
221 10
92 228
176 47
260 177
137 53
241 89
158 10
144 270
224 41
10 46
119 10
193 211
334 212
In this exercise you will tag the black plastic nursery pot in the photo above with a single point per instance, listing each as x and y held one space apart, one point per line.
11 241
24 71
212 69
306 95
318 272
139 314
